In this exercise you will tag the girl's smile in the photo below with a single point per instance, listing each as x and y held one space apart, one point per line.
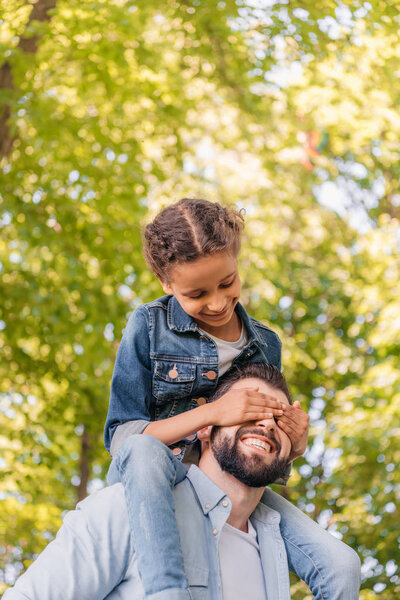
208 290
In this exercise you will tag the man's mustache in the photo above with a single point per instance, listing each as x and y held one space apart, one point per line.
258 431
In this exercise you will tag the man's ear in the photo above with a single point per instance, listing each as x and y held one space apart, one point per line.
204 433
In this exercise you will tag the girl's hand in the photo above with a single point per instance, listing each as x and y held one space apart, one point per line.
244 405
294 422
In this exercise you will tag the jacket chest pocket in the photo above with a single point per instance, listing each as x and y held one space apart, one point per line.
172 380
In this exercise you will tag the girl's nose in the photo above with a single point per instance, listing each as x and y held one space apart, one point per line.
216 304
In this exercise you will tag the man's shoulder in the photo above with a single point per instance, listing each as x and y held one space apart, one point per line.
105 498
104 513
109 502
112 497
264 515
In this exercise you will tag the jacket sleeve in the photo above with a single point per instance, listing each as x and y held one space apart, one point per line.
87 560
130 397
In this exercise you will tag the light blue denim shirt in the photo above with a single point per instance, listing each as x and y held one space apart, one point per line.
93 557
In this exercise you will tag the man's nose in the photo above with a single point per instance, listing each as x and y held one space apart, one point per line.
267 424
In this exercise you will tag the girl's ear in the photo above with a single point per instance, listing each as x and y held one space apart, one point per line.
166 287
204 433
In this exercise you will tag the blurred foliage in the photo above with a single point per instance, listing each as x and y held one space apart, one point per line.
289 110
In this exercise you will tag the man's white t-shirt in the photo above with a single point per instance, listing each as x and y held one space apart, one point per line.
241 570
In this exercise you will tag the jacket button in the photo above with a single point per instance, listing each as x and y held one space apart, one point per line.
210 375
225 503
215 531
207 506
201 401
176 451
173 373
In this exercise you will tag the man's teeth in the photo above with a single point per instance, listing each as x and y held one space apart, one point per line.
257 443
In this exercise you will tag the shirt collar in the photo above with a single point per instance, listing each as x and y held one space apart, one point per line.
179 320
208 493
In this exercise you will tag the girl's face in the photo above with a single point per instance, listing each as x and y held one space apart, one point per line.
208 290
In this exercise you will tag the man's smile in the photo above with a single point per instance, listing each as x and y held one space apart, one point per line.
263 443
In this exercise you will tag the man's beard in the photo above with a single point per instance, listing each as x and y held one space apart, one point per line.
250 470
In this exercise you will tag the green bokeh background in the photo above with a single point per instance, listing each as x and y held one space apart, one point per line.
110 110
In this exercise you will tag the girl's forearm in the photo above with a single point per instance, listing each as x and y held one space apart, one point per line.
174 429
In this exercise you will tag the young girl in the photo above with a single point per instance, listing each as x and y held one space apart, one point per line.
171 355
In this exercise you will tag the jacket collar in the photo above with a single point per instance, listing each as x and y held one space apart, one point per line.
179 320
252 333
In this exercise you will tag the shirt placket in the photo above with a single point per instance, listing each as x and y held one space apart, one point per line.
273 557
218 517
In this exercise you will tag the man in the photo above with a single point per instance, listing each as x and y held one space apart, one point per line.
231 542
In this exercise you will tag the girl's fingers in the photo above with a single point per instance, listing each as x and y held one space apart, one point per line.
286 428
287 418
256 416
276 412
275 408
264 400
295 415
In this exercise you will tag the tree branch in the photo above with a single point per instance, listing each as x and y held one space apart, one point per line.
28 44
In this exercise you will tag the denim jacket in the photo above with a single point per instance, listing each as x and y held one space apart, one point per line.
165 365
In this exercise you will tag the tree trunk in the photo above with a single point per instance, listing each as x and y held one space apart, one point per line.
40 12
84 467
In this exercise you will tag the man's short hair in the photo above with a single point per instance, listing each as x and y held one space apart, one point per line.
257 370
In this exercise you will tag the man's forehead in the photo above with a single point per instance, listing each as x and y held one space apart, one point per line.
263 387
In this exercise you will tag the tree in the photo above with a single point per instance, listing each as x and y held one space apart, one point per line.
112 109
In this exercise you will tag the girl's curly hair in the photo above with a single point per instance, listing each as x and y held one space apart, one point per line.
188 230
